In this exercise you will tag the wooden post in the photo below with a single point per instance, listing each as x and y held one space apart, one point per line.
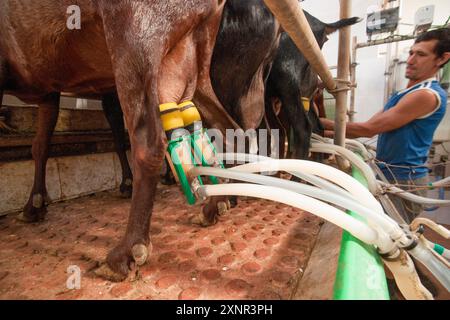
343 75
351 113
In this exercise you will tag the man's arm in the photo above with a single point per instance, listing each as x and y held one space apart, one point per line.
409 108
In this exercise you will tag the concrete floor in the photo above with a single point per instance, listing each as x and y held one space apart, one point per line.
442 214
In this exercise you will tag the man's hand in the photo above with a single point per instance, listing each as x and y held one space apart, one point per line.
327 123
328 126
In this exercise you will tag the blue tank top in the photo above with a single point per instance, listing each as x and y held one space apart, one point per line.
409 145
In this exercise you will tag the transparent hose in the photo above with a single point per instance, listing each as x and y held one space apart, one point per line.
384 243
358 191
353 158
359 229
319 182
422 253
413 197
441 183
353 144
327 172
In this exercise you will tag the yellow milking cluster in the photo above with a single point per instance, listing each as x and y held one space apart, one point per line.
175 116
188 147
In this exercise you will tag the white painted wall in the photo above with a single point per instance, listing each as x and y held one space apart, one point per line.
372 62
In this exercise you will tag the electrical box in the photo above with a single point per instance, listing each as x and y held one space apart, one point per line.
423 19
384 21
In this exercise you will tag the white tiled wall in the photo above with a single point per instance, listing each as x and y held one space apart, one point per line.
372 62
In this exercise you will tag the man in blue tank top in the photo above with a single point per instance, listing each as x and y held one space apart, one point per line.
409 119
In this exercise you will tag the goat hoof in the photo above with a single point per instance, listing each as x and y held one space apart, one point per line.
140 253
32 214
26 218
201 220
105 272
122 259
233 201
222 207
126 188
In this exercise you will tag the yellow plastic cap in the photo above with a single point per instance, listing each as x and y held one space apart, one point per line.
170 116
189 113
306 103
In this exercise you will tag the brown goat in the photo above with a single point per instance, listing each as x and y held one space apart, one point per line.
152 51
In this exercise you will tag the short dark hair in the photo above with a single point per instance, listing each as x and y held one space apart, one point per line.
442 35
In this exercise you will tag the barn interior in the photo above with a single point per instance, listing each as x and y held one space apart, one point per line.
259 249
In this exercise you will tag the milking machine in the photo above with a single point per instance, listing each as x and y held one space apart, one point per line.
432 255
188 146
326 192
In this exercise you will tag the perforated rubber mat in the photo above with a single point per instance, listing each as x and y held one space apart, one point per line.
257 250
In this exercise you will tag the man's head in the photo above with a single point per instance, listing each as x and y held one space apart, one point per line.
429 53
